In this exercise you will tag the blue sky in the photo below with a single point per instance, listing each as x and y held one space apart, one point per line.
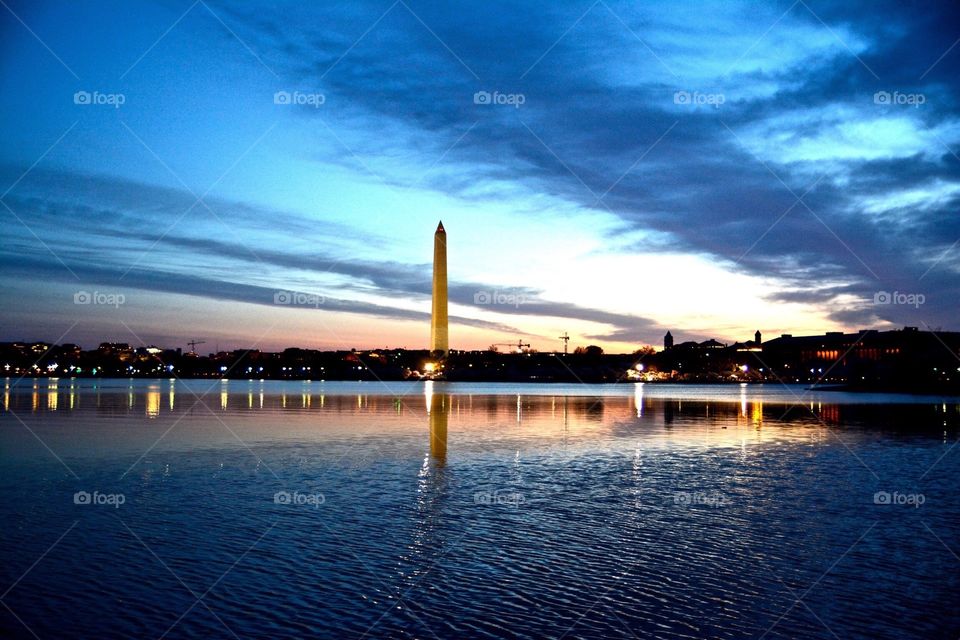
709 168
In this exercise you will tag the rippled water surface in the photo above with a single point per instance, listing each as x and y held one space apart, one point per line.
306 509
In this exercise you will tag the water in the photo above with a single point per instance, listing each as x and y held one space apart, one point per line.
309 509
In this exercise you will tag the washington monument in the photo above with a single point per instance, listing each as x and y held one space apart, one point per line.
438 320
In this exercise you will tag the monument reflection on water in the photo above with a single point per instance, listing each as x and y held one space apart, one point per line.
438 410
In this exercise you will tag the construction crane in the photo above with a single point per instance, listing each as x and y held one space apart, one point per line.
566 340
519 345
193 344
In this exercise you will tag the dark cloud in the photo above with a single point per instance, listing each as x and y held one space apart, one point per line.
178 283
600 98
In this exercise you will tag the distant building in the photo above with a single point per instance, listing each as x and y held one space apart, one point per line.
750 345
906 356
114 347
668 340
711 344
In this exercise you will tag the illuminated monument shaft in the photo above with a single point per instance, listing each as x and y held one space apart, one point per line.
438 320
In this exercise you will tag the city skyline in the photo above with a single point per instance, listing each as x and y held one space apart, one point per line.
616 177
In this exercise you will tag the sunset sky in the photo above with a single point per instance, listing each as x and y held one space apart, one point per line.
607 169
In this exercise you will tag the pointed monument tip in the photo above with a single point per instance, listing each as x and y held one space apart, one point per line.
440 227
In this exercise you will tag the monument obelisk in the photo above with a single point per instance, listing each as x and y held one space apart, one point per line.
438 320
